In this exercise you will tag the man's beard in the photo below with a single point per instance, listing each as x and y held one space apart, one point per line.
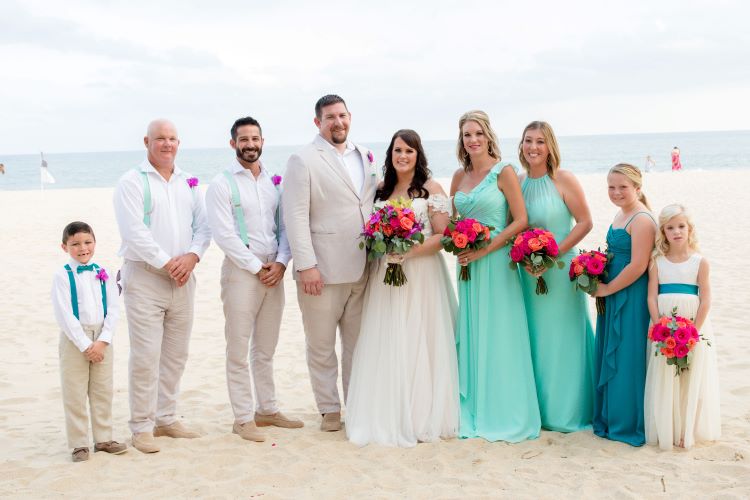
337 140
249 154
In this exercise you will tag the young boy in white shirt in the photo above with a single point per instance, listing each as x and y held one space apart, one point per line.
85 302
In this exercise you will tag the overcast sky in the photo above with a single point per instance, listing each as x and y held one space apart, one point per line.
88 76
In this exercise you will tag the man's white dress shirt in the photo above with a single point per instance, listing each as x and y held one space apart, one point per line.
351 160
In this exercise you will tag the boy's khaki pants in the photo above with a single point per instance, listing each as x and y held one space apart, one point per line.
82 379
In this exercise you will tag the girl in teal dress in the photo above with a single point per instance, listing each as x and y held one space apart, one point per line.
621 340
562 340
496 379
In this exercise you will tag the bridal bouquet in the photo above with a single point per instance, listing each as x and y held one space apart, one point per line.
586 272
675 338
392 230
537 249
465 234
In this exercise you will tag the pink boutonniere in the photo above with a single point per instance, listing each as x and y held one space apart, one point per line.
371 159
192 182
276 179
102 275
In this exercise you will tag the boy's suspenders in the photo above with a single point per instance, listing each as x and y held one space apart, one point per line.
74 292
239 215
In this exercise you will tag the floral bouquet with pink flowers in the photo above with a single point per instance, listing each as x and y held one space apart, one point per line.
586 272
465 234
392 230
675 338
537 249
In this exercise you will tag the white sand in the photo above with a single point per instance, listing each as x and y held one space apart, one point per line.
307 462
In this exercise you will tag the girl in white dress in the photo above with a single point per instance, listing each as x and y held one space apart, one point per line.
681 409
404 382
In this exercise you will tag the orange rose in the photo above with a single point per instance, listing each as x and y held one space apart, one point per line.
577 269
460 240
600 257
543 239
549 235
518 240
663 321
487 233
406 223
670 342
387 229
535 244
477 227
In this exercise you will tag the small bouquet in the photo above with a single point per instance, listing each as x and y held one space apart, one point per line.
465 234
586 272
392 229
537 249
675 337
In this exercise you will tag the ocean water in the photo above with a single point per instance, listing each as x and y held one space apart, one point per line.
581 154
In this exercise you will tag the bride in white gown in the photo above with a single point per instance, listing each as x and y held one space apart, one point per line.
404 382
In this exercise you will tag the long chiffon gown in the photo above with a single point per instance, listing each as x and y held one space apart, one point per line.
621 336
560 332
404 382
496 377
684 409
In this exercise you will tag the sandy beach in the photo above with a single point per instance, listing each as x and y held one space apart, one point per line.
307 463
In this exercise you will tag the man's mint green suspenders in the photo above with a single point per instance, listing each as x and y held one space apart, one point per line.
239 215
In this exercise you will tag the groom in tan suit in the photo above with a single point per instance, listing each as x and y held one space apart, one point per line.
330 187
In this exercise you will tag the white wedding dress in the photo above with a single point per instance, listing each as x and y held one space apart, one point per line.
404 382
682 409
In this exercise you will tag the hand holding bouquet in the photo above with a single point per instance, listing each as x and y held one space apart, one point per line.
392 230
463 234
675 338
586 272
537 249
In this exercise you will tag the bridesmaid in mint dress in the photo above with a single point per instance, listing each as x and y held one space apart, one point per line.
562 340
496 379
621 340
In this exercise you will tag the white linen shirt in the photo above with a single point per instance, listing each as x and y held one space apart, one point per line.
90 307
351 160
259 199
178 219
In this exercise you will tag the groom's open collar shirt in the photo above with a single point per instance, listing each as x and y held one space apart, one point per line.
351 160
260 199
178 219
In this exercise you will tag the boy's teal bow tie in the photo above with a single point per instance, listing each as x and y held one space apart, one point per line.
81 269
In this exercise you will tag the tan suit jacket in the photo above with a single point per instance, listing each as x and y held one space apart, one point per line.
324 213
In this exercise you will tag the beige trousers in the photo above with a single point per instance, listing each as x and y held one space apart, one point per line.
81 379
253 316
339 306
160 318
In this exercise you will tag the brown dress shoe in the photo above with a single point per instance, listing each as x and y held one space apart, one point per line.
278 419
248 431
144 442
112 447
80 455
175 430
331 422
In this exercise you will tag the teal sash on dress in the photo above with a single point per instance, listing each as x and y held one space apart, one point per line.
74 291
678 288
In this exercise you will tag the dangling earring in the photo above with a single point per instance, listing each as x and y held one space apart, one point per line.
489 150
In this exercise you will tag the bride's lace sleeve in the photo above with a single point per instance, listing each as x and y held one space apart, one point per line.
439 203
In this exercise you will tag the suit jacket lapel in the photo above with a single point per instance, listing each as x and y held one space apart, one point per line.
336 166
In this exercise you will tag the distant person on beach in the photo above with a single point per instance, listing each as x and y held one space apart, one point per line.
164 233
86 305
243 210
650 163
2 169
676 164
328 194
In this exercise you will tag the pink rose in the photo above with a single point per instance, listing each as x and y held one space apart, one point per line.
682 335
516 254
276 179
594 267
102 275
370 157
552 249
680 351
192 182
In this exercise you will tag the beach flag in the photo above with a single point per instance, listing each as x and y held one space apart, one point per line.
46 177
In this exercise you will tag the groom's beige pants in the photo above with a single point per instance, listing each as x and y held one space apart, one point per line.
338 306
252 313
160 318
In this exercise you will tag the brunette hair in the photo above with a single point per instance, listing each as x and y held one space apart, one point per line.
421 171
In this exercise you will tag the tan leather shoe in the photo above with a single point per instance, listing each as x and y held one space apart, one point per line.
278 419
175 430
144 442
112 447
248 431
80 455
331 422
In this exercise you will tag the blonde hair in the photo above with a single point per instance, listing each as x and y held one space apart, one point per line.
668 213
481 119
634 176
553 158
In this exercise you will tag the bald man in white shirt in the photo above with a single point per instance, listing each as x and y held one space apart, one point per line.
164 233
242 207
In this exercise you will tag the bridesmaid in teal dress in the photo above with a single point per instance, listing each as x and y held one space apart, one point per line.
562 340
496 379
621 341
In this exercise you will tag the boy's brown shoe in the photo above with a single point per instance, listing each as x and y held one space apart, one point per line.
112 447
80 454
